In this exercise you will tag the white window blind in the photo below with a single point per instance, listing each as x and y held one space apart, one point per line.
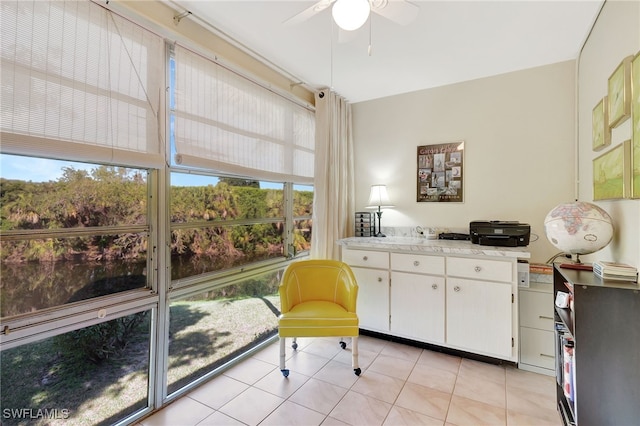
79 83
227 123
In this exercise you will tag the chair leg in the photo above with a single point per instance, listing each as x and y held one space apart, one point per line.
283 369
354 355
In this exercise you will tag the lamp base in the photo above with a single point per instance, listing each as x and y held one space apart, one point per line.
379 214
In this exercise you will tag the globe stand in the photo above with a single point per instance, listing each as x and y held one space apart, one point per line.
578 265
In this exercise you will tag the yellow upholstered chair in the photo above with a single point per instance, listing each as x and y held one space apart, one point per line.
318 298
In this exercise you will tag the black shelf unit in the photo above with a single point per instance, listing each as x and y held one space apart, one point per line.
364 224
605 326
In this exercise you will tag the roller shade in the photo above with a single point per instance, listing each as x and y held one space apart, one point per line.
79 83
228 123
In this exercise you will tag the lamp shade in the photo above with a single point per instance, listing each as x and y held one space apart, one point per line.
379 197
350 14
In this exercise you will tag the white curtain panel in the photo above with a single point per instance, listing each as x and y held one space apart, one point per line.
333 203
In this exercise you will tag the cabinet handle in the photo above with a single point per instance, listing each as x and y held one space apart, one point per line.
477 269
434 286
416 263
379 279
548 356
365 258
544 317
456 288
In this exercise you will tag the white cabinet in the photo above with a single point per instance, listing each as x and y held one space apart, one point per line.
417 297
371 269
536 329
417 307
479 316
480 305
464 302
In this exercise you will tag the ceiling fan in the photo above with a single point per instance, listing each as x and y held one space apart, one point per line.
352 14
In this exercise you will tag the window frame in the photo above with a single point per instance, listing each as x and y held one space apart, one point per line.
27 326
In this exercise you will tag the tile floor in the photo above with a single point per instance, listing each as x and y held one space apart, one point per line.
399 385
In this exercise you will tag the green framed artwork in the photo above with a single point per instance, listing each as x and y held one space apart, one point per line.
635 126
619 86
601 133
611 173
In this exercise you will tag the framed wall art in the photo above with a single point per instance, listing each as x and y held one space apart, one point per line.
440 173
600 125
611 173
635 127
619 93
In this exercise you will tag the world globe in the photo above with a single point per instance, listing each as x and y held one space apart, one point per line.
578 227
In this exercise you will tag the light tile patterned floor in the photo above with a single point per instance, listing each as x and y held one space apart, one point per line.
399 385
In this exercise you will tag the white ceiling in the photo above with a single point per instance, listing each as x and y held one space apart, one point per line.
448 41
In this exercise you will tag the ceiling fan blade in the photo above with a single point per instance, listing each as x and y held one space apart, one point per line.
308 12
401 12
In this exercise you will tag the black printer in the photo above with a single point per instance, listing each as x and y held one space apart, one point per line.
499 233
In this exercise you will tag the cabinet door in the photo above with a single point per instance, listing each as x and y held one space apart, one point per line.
479 316
537 348
536 310
373 298
417 306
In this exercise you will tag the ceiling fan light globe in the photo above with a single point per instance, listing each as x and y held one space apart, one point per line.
350 14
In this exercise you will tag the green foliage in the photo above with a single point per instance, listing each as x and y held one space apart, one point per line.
99 342
302 203
240 182
257 287
109 196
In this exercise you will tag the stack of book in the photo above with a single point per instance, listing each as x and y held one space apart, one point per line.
615 271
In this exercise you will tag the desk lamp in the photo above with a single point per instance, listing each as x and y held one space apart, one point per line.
378 198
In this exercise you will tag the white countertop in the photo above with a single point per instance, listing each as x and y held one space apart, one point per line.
423 245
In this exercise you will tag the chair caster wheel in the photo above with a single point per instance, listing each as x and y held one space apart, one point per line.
343 345
294 346
285 373
357 371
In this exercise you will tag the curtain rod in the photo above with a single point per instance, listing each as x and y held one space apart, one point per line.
245 49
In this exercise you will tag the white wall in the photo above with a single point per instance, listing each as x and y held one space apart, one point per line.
519 133
616 34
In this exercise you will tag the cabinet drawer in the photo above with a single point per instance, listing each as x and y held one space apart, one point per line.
536 310
417 263
537 348
366 258
483 269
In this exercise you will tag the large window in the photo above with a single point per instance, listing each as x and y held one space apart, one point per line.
213 327
222 223
224 233
135 221
81 233
94 375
